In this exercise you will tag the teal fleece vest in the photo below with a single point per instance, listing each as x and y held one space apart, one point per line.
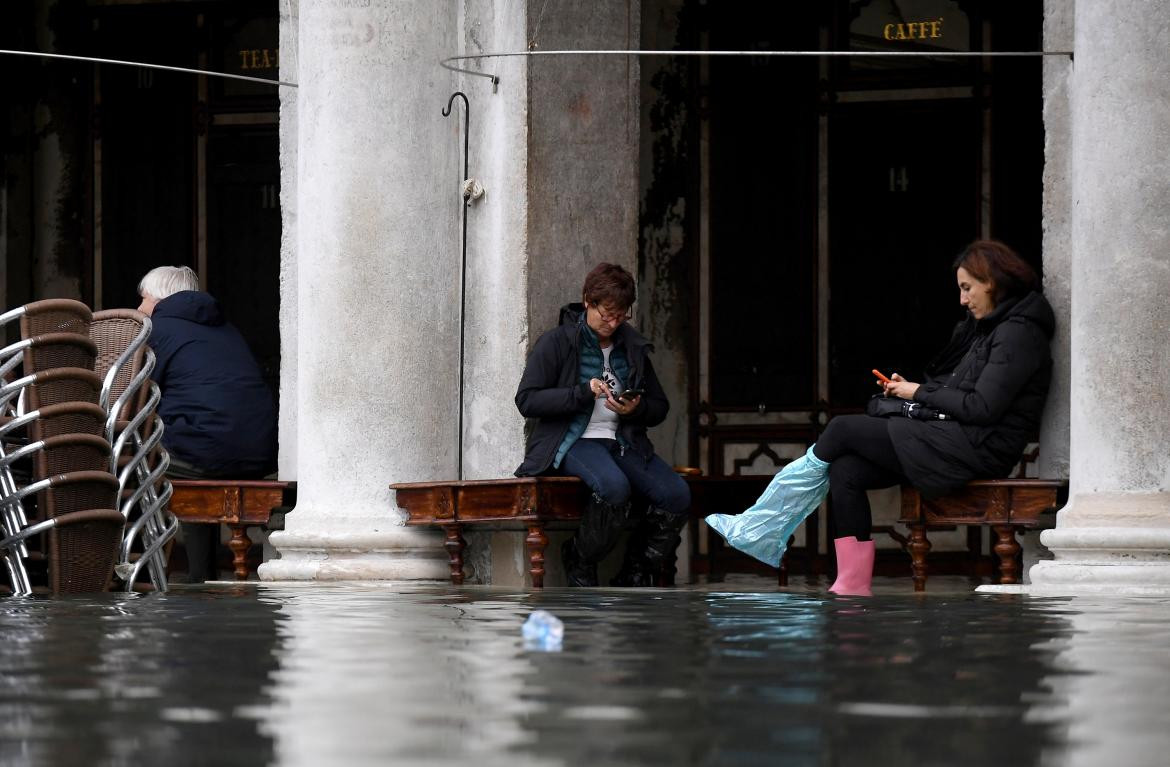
592 361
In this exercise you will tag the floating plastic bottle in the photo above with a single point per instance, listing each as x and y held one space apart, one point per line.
543 631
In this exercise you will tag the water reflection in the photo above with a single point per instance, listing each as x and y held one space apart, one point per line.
670 677
379 674
121 680
368 675
1107 686
761 679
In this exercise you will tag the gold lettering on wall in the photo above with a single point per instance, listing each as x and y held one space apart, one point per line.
914 30
260 58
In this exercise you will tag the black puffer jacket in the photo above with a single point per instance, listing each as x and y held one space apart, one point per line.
992 379
551 394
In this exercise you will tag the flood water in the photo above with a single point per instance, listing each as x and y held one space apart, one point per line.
350 675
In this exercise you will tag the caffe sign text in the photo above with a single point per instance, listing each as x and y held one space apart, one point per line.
914 30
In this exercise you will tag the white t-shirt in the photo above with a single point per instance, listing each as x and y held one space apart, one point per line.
603 423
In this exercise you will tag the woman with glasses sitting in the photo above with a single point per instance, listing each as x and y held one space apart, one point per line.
591 388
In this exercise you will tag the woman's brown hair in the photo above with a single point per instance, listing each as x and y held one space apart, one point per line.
609 284
992 261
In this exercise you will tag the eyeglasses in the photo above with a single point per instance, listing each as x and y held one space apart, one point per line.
613 318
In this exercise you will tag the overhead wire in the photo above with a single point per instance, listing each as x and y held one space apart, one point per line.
448 63
146 65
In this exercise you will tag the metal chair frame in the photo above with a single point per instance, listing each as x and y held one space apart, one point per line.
155 524
15 541
137 440
13 518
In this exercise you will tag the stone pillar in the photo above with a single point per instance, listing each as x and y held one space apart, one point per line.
1057 244
289 34
497 238
583 139
556 147
377 263
497 258
1114 535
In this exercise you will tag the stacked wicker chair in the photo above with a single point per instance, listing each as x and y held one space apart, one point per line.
130 399
61 444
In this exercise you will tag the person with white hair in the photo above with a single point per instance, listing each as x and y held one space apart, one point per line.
219 414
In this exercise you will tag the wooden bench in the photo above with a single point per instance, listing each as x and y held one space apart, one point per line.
239 504
533 504
536 504
1005 505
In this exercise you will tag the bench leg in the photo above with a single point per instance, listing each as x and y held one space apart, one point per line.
1008 549
239 544
537 542
919 546
455 544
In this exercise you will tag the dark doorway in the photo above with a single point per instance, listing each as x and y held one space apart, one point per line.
763 208
904 183
243 235
187 166
832 197
145 131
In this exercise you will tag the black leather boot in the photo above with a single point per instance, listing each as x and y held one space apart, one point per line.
601 524
636 570
662 537
650 546
577 573
201 542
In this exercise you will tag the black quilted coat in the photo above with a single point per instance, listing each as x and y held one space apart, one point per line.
992 379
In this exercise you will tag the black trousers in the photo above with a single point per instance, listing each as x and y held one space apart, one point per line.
861 457
201 541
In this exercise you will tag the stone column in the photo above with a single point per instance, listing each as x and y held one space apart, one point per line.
1057 244
1114 535
582 149
557 148
287 428
377 263
497 268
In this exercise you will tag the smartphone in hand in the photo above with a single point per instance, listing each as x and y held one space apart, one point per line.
881 377
629 394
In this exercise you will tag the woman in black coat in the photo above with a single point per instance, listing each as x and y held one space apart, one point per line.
978 406
591 392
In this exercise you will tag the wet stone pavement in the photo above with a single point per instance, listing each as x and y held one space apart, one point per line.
382 674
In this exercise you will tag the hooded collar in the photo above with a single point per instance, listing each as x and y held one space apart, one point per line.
1030 307
625 336
191 305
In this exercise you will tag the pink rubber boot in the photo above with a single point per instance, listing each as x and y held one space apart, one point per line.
854 567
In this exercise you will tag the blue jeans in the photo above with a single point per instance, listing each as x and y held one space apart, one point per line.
612 475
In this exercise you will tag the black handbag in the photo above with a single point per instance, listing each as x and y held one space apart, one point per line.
881 406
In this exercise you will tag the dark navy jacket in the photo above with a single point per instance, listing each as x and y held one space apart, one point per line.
218 412
551 394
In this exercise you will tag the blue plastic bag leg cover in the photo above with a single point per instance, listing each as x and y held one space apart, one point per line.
764 529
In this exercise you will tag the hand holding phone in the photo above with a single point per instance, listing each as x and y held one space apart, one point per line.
629 394
599 389
881 376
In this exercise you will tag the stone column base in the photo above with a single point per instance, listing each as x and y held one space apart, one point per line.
397 555
1104 560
